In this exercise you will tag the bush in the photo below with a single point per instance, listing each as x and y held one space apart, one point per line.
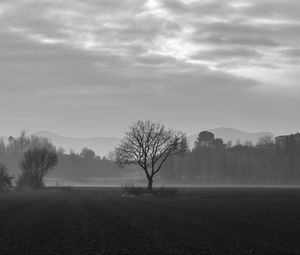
132 190
27 181
5 179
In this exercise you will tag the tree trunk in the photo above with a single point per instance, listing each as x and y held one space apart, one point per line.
150 184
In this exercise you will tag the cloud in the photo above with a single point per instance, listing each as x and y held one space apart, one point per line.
275 9
228 53
144 59
238 40
292 53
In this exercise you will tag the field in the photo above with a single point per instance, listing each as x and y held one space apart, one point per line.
196 221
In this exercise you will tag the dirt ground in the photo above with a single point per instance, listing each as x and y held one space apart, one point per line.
196 221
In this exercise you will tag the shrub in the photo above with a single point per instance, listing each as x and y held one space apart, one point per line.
5 179
28 181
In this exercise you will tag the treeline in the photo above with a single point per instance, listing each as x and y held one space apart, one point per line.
213 161
71 166
209 161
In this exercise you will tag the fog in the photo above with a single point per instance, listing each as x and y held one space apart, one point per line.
209 163
149 127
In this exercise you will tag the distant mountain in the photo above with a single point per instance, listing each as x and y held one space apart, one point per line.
101 145
231 134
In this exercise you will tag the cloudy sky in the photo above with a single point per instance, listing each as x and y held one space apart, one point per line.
86 68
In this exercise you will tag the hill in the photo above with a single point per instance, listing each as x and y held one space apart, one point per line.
234 135
101 145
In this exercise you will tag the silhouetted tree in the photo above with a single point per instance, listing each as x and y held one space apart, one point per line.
149 145
2 147
20 143
41 142
218 144
265 141
204 153
5 178
292 153
176 168
184 144
205 138
87 153
35 164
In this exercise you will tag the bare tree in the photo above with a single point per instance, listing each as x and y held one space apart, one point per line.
265 141
35 164
148 145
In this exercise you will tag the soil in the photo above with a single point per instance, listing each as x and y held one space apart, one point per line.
196 221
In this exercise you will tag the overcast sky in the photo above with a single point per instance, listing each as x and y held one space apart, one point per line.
90 68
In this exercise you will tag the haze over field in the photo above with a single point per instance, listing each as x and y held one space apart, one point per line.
149 127
85 71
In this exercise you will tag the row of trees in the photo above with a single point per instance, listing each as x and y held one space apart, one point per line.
71 166
153 147
160 151
34 156
211 160
146 144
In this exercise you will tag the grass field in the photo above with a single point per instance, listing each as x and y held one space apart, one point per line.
196 221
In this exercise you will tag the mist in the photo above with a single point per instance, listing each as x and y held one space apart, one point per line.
209 162
149 127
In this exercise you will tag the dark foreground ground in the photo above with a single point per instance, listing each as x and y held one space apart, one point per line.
197 221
